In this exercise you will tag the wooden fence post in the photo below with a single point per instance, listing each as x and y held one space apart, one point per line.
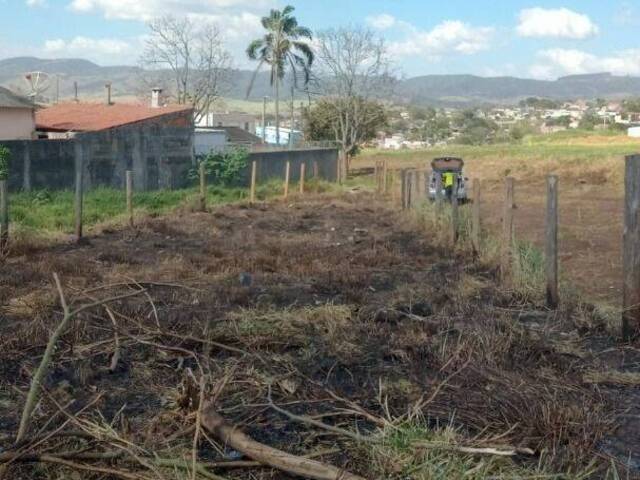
506 262
302 174
316 170
420 185
438 194
203 187
287 179
79 167
415 181
454 213
4 215
385 180
551 240
475 218
129 188
254 174
407 189
396 188
403 187
376 174
631 250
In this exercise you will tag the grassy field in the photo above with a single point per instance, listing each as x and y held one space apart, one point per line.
575 156
51 213
590 167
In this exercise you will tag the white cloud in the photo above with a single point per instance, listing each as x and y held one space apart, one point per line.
104 50
558 23
451 36
237 20
36 3
383 21
145 10
558 61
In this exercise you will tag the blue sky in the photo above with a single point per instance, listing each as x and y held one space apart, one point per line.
537 38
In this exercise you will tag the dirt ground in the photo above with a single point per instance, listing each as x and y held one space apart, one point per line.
591 217
590 235
335 307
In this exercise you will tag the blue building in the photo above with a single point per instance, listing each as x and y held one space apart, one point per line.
285 135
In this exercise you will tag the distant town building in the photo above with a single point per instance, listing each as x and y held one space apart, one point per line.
244 121
17 116
286 134
208 140
155 142
634 132
211 139
67 119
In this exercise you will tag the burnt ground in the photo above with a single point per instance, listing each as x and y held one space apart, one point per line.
340 306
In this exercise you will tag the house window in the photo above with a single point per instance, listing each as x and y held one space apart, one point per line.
246 126
219 124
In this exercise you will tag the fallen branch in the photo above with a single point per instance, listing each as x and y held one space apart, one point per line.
316 423
270 456
32 396
92 468
502 452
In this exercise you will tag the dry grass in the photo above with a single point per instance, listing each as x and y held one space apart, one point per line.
612 377
352 314
591 159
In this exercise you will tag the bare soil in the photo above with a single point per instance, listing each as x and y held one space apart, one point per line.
590 236
340 305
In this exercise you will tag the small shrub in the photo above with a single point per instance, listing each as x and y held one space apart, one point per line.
42 197
224 168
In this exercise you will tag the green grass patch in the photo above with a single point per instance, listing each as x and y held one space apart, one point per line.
414 450
53 212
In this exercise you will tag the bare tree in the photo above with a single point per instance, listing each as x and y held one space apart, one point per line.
353 71
189 60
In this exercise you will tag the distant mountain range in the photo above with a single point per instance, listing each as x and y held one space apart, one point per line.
440 90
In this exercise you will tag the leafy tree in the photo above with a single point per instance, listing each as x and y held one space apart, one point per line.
421 113
225 168
474 129
589 121
631 105
563 121
321 122
5 155
436 129
282 48
521 129
354 70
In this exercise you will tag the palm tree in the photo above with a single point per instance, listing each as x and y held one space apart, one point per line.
282 48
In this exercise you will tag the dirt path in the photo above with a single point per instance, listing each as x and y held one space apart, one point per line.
332 303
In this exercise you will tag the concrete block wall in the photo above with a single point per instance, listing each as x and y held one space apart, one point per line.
160 158
272 164
159 155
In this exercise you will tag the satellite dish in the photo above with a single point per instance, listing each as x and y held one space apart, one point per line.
39 82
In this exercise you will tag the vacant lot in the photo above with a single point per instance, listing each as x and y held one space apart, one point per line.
591 172
329 327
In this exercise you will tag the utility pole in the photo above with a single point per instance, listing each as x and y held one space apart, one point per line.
302 119
292 126
264 120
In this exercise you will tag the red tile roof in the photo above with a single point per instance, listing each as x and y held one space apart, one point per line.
91 117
